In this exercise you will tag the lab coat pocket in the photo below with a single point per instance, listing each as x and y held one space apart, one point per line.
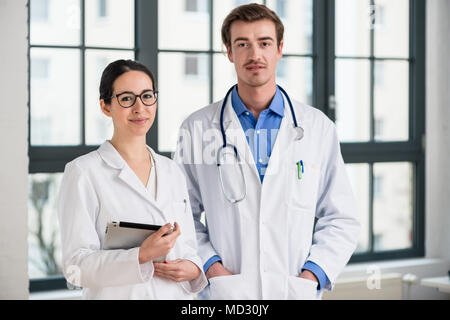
232 287
301 289
304 186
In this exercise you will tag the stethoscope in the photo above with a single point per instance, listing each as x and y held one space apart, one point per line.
297 128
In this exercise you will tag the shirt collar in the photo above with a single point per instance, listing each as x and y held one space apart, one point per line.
276 106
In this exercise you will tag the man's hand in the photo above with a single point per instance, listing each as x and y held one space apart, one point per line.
217 270
306 274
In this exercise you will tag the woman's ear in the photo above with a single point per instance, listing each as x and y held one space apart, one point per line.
106 108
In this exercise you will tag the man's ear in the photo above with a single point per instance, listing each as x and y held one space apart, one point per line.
229 54
280 50
106 108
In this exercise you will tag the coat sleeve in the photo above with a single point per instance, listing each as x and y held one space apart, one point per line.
337 229
84 263
184 157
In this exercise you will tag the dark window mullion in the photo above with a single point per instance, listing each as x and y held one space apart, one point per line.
417 116
83 71
211 54
322 55
29 77
371 190
146 44
372 75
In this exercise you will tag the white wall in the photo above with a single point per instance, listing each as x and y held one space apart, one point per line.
438 130
13 150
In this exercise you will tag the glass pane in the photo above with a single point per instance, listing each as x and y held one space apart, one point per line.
352 27
353 99
392 205
110 23
221 9
98 126
297 18
391 28
55 22
183 24
359 179
183 81
44 242
224 76
391 100
294 74
55 96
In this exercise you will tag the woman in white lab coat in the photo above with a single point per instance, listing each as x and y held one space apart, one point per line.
125 180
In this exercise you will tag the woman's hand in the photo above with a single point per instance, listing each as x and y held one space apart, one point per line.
177 270
157 244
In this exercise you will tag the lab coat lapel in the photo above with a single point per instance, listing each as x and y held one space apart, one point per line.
110 155
282 149
164 183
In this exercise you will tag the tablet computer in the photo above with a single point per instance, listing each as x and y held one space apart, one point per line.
127 235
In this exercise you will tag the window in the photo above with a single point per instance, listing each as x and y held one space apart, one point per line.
191 65
68 50
191 5
39 10
359 61
378 65
40 68
281 8
199 6
102 8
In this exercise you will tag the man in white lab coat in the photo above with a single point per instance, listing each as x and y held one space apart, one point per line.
262 168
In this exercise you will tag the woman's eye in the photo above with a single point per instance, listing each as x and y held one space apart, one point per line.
148 96
126 98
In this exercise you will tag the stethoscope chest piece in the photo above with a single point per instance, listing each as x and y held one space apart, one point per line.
300 132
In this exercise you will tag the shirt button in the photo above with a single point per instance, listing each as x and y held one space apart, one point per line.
257 131
260 161
247 113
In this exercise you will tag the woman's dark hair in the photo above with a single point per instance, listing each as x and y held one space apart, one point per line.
116 69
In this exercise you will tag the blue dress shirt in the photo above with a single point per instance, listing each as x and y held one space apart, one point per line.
261 135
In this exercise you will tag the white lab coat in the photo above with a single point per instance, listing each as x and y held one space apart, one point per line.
100 187
266 239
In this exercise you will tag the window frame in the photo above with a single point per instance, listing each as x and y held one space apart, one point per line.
52 159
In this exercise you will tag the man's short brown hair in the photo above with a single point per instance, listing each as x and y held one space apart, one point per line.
250 13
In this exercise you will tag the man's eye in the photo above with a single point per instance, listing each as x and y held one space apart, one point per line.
265 44
242 45
148 96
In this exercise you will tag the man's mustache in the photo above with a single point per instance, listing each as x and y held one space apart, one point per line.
252 62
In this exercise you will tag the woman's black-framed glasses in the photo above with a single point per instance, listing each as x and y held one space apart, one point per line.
127 99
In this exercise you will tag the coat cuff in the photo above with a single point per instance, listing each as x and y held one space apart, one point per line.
146 270
198 284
